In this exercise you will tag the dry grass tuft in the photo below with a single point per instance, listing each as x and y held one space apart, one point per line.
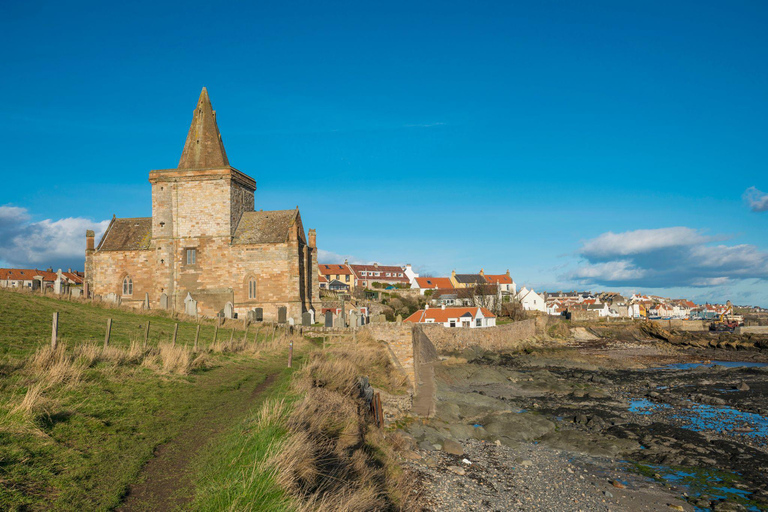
34 402
175 359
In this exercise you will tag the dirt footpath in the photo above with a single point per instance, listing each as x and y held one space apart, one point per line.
166 481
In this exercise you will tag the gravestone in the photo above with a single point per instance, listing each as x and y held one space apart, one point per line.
306 319
258 314
353 319
77 292
312 316
328 319
340 321
163 301
282 313
190 306
58 284
146 301
399 319
111 297
291 322
228 310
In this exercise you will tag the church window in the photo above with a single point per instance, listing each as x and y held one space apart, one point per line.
191 256
127 286
252 289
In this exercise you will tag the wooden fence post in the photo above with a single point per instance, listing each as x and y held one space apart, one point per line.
55 330
274 327
290 354
215 335
232 336
197 335
146 335
175 332
256 337
245 335
109 331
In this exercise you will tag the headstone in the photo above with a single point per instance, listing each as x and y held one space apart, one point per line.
399 319
190 305
259 314
339 320
111 297
163 301
306 319
282 313
229 310
329 319
353 319
58 284
146 301
312 316
291 323
77 292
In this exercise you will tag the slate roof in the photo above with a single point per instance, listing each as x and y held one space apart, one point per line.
127 235
470 279
265 227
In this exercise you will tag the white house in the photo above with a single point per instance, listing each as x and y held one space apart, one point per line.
471 318
410 274
531 300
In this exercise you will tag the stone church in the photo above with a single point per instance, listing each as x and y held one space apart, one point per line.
206 250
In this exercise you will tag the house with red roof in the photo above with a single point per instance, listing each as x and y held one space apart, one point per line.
27 278
340 272
431 283
470 318
503 282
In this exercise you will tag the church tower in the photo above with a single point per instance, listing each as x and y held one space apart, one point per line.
204 196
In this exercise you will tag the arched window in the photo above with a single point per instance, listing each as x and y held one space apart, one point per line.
127 286
251 288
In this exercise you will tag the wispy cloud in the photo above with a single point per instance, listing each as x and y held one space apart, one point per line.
329 257
756 199
424 125
55 243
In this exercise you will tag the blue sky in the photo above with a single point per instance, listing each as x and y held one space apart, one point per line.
591 144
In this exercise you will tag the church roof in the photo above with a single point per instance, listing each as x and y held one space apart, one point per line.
203 148
127 235
265 227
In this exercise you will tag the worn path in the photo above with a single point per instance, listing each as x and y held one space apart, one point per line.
227 394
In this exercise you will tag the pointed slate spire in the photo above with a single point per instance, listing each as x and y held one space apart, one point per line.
204 148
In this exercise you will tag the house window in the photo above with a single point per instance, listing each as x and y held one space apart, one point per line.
453 323
388 274
401 274
127 286
191 256
252 289
346 278
479 322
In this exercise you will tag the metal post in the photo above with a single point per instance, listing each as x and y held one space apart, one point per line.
55 330
109 331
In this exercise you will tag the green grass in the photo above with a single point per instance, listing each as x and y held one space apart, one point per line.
25 324
86 440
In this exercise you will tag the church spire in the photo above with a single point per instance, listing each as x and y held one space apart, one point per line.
204 148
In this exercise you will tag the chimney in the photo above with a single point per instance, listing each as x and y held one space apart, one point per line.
426 307
89 236
442 307
482 273
507 272
346 262
453 273
69 270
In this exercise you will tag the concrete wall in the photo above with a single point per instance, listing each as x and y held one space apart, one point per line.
753 329
684 325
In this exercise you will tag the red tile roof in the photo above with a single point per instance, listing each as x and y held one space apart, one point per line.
26 274
432 283
498 278
334 269
322 279
440 315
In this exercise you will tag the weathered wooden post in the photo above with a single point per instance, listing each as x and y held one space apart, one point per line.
256 337
197 335
175 332
109 331
55 330
290 354
245 335
274 328
232 336
146 335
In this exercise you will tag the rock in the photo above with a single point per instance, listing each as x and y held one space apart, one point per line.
452 447
457 470
617 484
426 445
608 494
526 463
676 507
742 386
410 455
581 419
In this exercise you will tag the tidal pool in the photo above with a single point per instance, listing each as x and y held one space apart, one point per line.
726 364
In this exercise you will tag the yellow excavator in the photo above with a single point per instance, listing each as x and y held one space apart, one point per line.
722 324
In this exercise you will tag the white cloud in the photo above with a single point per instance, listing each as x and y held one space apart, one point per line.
329 257
756 199
55 243
640 241
665 258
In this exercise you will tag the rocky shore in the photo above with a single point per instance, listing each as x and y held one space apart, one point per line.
596 424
